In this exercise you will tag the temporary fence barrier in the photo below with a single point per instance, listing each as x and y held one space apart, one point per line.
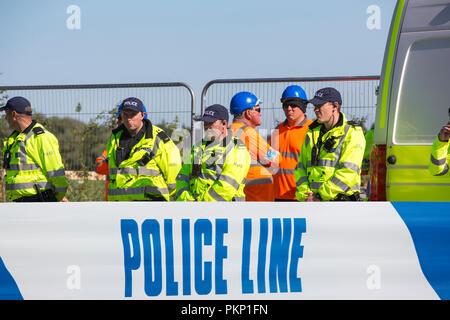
82 116
359 95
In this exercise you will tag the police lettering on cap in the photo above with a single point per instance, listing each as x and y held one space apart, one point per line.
215 112
18 104
133 104
326 95
119 110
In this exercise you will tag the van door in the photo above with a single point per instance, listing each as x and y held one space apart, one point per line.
419 103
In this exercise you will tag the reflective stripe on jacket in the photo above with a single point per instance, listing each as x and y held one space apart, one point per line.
288 141
35 163
263 159
149 173
440 158
336 171
216 172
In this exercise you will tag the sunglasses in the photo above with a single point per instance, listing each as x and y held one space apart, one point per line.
257 109
287 105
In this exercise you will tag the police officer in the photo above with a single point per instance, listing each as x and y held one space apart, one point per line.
143 161
34 170
101 162
440 155
217 169
332 153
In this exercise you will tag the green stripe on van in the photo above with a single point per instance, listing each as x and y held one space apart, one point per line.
390 59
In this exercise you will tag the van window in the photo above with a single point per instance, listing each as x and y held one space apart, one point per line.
424 95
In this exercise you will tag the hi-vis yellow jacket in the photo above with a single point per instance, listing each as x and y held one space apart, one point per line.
331 165
150 171
216 172
440 158
35 162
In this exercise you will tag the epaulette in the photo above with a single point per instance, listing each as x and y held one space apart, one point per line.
353 123
38 130
163 136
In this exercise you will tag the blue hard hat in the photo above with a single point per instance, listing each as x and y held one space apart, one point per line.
293 93
242 101
121 106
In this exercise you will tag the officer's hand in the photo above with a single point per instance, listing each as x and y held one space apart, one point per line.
64 200
444 134
310 197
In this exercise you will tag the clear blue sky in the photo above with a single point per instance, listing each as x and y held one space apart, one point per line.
189 41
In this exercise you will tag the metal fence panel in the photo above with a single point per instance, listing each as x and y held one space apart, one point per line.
82 116
168 104
358 95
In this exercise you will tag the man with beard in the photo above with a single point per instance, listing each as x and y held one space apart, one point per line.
217 169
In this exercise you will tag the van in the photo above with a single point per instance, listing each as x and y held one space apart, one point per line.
412 103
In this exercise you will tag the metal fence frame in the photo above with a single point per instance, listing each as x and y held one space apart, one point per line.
106 86
112 86
191 91
277 80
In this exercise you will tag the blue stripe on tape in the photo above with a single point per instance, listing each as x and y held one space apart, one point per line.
429 226
8 287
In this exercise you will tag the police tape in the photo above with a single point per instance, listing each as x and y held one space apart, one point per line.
251 251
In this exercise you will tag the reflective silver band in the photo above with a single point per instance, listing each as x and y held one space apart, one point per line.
140 171
56 173
301 181
230 180
438 162
139 190
290 155
443 171
180 192
29 185
24 167
172 186
345 187
252 182
215 195
315 185
182 177
286 171
300 166
350 166
207 176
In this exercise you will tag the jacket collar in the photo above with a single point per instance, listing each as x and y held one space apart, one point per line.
26 131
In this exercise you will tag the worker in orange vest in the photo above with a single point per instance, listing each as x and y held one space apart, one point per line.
287 138
101 162
245 107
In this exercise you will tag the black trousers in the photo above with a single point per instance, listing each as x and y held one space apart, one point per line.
45 196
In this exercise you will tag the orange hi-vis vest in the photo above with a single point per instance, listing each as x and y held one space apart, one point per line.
288 141
259 185
101 167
